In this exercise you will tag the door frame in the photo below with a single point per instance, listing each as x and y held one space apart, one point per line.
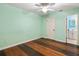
50 19
66 26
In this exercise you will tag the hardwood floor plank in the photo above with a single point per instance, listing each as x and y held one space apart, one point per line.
44 43
2 53
73 50
44 50
14 51
29 50
50 46
70 50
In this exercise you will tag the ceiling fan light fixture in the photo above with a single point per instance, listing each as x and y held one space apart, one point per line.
44 9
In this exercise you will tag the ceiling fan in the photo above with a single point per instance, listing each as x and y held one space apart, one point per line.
45 7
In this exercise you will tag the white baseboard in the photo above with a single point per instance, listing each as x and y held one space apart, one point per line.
55 39
58 40
18 44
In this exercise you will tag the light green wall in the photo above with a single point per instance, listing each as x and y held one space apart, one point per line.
60 17
17 26
43 26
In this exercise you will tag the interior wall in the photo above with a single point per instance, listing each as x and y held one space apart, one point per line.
17 25
60 19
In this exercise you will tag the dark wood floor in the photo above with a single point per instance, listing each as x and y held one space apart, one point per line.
41 47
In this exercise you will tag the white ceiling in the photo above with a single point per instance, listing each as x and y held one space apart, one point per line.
33 8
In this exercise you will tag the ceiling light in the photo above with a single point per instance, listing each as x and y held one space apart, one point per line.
44 9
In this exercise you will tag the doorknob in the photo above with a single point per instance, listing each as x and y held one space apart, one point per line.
53 29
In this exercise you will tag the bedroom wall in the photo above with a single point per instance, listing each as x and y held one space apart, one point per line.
60 19
17 25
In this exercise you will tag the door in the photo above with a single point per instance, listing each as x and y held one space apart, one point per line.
72 29
50 27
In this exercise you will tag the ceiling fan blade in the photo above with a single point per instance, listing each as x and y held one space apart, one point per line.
55 10
38 5
51 9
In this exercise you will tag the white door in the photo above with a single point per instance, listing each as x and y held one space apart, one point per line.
50 25
72 29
